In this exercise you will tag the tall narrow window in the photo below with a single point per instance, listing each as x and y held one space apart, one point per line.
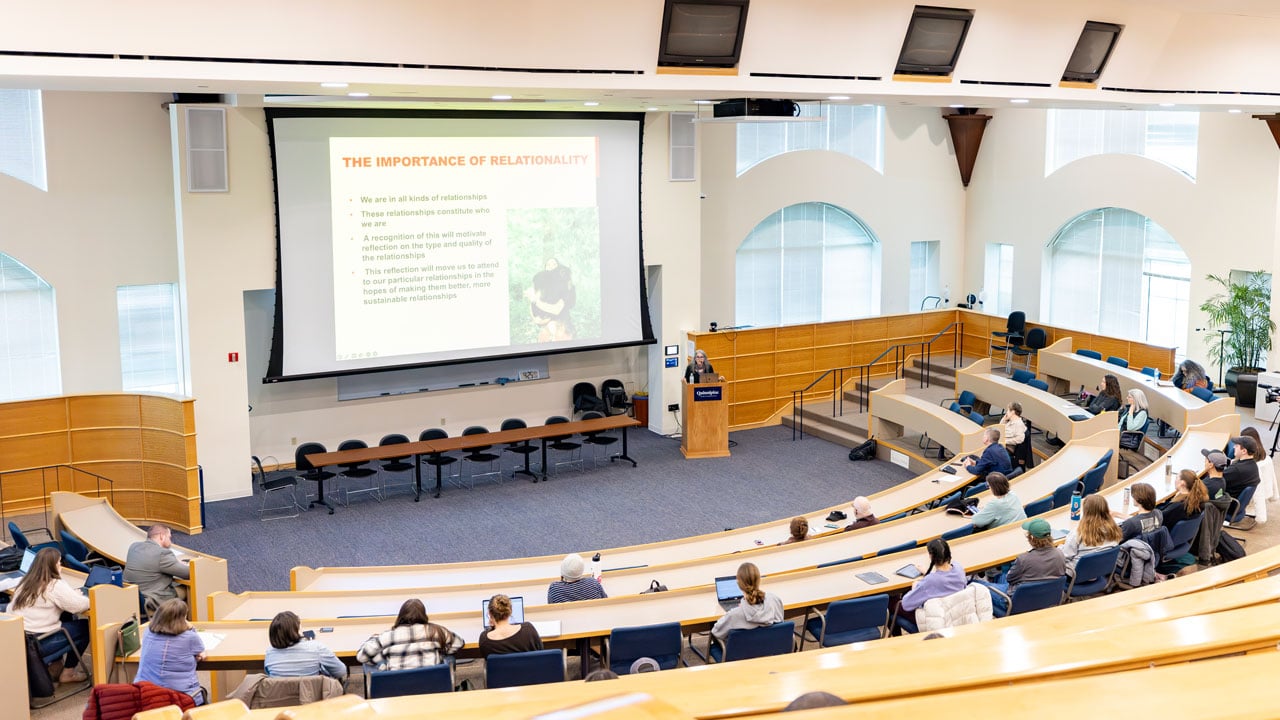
853 130
150 344
29 364
925 289
1116 272
997 279
807 263
22 137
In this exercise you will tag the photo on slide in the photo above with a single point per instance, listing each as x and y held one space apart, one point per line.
553 257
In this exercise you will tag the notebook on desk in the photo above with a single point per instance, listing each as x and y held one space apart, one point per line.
727 592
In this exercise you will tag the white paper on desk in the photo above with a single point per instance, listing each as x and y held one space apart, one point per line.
547 628
211 640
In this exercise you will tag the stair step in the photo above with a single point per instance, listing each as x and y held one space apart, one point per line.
846 435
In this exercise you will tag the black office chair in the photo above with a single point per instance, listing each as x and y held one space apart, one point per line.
522 449
614 395
396 465
307 471
598 440
563 444
357 472
1037 340
584 398
267 486
479 455
438 461
1011 337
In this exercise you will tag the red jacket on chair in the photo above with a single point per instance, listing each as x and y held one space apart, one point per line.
121 702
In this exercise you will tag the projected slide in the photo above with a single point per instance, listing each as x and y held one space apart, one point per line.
424 238
458 228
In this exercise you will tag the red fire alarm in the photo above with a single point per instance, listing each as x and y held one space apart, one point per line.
233 357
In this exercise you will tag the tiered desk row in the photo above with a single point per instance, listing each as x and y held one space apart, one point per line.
453 592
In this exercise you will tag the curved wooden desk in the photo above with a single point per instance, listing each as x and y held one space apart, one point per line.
1066 370
107 533
892 411
1046 410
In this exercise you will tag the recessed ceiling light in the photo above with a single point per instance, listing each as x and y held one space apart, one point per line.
652 109
357 94
837 97
333 84
701 102
500 97
1019 101
956 106
591 103
1166 104
1234 111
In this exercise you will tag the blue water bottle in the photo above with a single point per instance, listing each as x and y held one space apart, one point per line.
1075 505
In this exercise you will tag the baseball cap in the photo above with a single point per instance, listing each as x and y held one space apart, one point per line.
1215 457
1037 527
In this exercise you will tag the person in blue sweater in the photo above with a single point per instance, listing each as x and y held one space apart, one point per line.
994 457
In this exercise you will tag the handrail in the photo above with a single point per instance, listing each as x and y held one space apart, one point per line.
57 485
900 356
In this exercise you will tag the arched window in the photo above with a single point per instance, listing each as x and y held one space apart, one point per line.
1114 272
854 130
1169 137
29 365
806 263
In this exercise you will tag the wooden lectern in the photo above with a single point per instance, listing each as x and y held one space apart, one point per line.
706 421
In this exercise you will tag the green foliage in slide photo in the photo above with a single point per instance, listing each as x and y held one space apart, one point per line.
553 262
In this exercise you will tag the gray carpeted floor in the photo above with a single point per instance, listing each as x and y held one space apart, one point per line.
768 477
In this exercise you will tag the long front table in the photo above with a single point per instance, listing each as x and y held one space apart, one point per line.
418 448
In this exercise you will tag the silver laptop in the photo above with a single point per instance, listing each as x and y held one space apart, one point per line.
727 592
28 557
517 611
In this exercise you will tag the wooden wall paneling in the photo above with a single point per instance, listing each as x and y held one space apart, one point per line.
94 411
131 503
871 329
33 416
753 341
24 490
752 390
32 451
784 385
174 511
96 444
162 412
753 366
163 446
751 412
840 333
903 328
794 337
717 345
866 351
829 357
793 361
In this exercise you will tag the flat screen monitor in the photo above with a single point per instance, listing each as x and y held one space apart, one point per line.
705 33
933 42
1093 49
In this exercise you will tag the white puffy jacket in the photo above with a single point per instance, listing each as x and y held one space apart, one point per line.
970 605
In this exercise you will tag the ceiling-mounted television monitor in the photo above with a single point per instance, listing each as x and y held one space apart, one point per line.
1093 49
702 33
933 40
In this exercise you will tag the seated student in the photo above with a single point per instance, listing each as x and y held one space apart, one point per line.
1190 375
1146 518
40 599
1096 530
994 457
940 579
1015 428
1108 397
574 583
1042 562
1133 416
504 637
1002 509
862 514
1243 470
290 655
1187 502
153 567
412 642
757 608
1215 462
170 650
799 531
1267 489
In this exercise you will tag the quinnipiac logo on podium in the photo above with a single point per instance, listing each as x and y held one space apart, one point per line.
707 393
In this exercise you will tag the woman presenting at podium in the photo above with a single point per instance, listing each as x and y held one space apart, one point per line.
700 370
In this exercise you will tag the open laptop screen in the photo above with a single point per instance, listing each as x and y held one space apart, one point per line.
517 611
28 557
727 588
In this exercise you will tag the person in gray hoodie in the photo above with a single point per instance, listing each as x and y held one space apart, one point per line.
757 609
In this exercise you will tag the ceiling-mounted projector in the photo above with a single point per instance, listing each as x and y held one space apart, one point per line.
754 107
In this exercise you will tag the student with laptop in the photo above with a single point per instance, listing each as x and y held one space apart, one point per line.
412 642
502 634
40 599
756 608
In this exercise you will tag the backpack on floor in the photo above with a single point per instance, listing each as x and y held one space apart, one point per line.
865 451
1229 548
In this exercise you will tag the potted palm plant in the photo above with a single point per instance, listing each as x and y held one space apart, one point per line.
1244 308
